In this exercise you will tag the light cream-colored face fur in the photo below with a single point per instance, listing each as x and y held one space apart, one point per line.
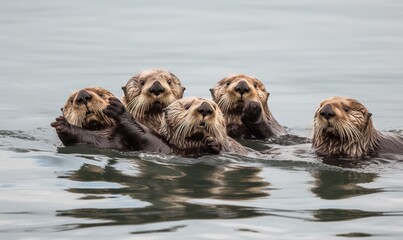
84 108
343 126
183 121
151 90
232 92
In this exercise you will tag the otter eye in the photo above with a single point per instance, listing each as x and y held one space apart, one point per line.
255 85
169 82
346 109
100 94
142 82
71 100
228 83
187 106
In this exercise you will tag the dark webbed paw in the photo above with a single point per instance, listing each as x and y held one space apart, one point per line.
67 133
61 125
251 112
115 109
233 130
212 144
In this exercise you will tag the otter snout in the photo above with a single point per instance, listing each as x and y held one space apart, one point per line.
156 88
242 87
327 112
83 97
205 109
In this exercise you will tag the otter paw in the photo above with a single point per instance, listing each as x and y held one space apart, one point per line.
233 130
251 112
115 108
61 125
212 144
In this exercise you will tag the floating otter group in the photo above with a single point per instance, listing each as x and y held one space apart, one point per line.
153 116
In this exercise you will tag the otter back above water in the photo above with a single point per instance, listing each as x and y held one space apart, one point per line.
302 51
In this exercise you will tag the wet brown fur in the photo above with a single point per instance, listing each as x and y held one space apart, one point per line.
232 105
350 132
145 106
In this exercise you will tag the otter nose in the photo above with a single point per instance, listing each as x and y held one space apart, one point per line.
83 97
205 109
327 112
242 87
156 88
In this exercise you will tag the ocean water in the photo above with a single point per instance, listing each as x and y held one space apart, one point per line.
304 51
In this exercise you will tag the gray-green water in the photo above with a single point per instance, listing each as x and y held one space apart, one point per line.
304 51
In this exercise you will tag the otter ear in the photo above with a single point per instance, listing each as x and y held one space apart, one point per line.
267 96
212 92
124 88
173 76
367 118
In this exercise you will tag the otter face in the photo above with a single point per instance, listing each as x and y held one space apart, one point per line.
342 119
232 92
192 119
84 108
150 91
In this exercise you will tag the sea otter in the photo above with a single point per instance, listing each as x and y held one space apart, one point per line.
188 121
148 92
343 127
83 122
244 101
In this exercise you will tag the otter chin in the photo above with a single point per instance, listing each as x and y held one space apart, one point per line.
343 127
148 92
244 102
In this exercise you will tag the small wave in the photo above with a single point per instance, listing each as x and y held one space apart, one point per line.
17 134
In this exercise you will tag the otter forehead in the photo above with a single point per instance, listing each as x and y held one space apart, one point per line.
156 74
340 102
193 101
240 77
101 93
336 100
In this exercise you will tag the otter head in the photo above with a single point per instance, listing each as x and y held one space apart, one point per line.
187 121
232 92
84 108
343 126
149 91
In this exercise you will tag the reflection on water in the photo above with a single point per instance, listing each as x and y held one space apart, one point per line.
168 188
334 215
342 184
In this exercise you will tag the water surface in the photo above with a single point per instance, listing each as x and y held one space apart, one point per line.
304 51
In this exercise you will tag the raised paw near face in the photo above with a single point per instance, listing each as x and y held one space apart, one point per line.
115 108
61 125
212 144
251 112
